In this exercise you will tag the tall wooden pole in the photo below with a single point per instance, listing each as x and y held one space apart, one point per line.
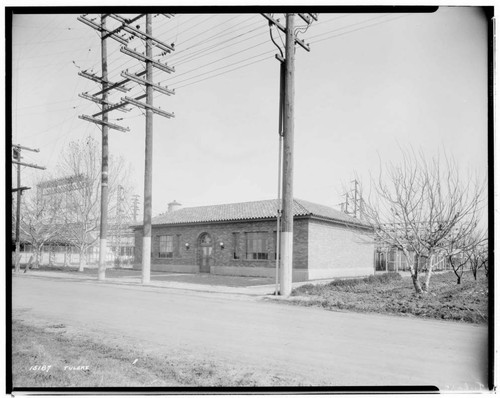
148 173
19 191
280 151
18 215
287 218
103 241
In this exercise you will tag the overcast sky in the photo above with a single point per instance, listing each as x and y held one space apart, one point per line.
370 84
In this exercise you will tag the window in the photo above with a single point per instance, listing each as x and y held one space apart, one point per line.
236 249
256 246
166 246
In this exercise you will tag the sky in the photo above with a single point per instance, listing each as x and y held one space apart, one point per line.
371 85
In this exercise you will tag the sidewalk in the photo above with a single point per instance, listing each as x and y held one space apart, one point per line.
201 282
225 285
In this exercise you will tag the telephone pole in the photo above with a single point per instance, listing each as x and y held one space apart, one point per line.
286 274
103 236
147 58
148 176
135 206
286 237
101 98
16 155
356 200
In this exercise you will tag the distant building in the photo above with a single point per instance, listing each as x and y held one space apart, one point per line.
240 239
60 194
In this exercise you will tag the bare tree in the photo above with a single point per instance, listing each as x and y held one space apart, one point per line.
417 205
81 161
478 255
461 246
39 222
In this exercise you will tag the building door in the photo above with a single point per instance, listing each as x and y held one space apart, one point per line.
205 252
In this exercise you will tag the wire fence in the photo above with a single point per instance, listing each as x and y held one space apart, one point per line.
69 256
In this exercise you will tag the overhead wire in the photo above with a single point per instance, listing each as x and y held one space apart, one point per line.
360 28
342 33
222 73
347 26
196 54
179 84
180 50
121 66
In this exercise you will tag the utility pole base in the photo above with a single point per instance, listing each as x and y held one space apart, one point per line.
146 260
101 273
286 266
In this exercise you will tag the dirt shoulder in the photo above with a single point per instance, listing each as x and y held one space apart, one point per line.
51 355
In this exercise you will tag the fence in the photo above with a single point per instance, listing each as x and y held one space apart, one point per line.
393 260
59 255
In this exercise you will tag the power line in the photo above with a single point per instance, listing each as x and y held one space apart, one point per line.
195 55
355 30
208 39
222 73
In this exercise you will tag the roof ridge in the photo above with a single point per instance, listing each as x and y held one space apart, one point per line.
228 204
301 205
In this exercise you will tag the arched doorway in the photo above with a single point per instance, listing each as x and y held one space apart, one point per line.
205 250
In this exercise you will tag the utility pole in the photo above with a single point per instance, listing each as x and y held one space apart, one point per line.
286 240
103 236
355 207
148 176
287 218
16 155
355 198
135 206
106 107
147 58
118 221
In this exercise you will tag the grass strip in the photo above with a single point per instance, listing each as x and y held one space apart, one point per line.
390 293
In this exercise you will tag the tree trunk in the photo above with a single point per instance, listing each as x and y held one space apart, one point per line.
83 261
17 262
52 256
413 271
38 257
30 261
459 280
429 273
416 284
416 281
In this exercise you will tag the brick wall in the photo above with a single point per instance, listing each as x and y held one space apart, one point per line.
339 251
232 235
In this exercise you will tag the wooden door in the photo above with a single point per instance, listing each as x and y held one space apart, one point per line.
205 250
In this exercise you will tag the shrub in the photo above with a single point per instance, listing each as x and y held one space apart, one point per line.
382 279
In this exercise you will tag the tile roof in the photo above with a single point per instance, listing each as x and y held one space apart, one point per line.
263 209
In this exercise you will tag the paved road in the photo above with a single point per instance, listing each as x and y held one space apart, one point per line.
312 346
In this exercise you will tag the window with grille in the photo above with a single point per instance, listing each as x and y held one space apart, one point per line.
256 246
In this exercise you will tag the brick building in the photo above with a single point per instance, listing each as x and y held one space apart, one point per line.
240 239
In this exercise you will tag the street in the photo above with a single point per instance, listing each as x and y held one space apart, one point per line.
314 346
